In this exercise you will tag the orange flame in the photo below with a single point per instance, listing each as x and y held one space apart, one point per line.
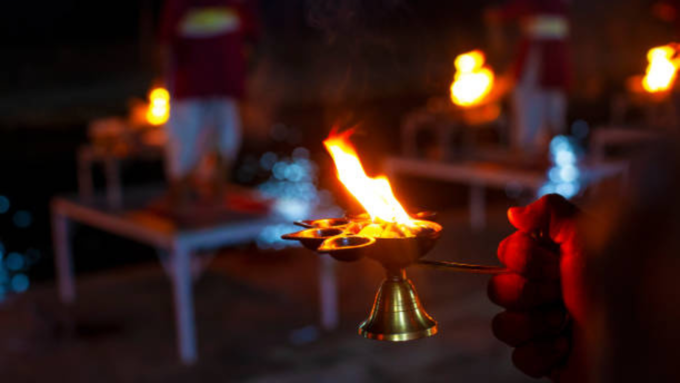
473 81
374 194
662 69
158 112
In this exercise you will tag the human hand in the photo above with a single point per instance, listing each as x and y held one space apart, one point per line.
543 292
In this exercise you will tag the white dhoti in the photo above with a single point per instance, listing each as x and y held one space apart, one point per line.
538 111
198 127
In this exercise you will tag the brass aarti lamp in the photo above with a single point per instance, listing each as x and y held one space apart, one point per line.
397 314
386 234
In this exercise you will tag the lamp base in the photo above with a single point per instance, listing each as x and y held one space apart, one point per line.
397 314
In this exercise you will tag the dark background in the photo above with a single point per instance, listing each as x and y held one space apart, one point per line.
66 62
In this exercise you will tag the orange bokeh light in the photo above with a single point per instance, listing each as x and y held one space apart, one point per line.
662 69
158 111
473 80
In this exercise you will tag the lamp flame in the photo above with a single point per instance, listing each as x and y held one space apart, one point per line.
662 69
158 112
473 81
374 194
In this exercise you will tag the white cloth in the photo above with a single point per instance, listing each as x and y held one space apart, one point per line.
537 111
198 127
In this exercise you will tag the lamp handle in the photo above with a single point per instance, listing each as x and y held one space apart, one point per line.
463 268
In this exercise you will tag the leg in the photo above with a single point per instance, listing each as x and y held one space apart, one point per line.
228 123
184 304
63 261
528 105
556 114
329 293
477 207
183 151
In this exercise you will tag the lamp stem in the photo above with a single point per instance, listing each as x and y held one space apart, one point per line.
396 275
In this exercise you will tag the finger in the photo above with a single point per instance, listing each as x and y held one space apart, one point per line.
524 255
516 328
513 291
552 215
540 358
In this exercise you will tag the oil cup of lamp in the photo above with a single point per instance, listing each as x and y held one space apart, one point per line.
387 234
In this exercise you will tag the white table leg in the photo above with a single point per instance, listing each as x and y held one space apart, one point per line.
329 293
184 303
62 259
477 207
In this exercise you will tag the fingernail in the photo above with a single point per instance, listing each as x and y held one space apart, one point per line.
515 211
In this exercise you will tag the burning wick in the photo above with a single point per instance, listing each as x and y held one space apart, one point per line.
662 69
389 219
473 81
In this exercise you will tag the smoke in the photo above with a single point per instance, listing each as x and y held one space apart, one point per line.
361 51
350 17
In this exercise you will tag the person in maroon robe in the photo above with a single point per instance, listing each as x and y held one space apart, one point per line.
542 69
203 44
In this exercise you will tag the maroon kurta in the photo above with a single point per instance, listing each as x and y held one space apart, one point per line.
206 40
555 66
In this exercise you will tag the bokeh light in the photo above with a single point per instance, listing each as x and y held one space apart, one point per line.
564 176
4 204
292 187
20 283
15 261
22 219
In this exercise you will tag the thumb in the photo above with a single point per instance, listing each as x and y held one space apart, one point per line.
551 215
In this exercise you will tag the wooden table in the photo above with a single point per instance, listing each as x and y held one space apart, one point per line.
482 175
141 217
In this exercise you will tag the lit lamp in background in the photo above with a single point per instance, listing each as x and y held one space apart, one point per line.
662 69
472 88
387 234
473 80
651 91
158 111
147 118
661 72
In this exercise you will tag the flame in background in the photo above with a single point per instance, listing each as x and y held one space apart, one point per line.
473 81
374 194
662 69
158 112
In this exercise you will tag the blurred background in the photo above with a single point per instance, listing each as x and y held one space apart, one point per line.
75 83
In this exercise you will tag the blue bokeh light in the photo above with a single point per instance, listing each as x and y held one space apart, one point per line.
22 219
580 129
292 188
15 261
300 153
569 173
20 283
268 160
564 176
4 204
